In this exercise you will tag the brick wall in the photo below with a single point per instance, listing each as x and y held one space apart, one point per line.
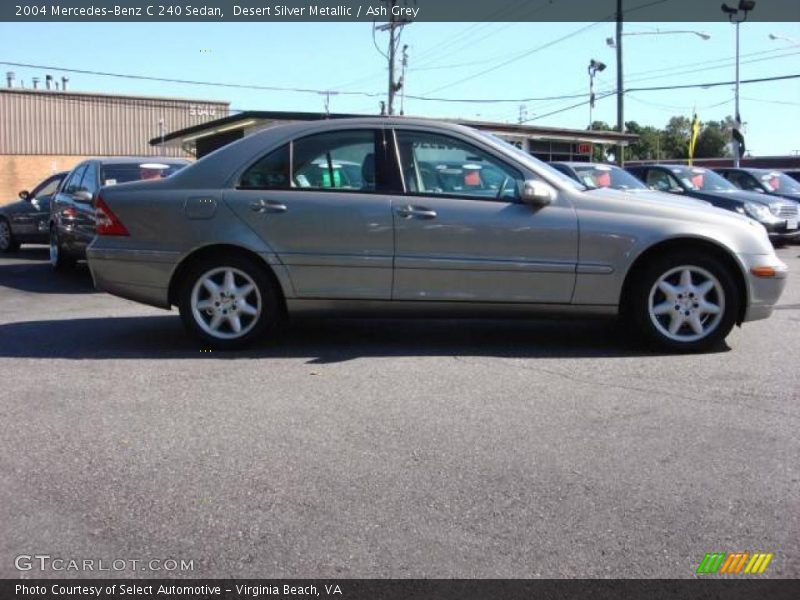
24 172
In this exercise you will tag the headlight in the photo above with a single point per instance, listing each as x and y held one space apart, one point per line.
759 212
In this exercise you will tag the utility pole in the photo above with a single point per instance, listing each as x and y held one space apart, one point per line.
394 26
392 49
620 91
328 95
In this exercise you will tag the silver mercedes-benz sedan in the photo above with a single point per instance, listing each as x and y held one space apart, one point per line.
410 217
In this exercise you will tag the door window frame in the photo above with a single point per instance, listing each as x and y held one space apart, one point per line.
77 174
384 177
398 167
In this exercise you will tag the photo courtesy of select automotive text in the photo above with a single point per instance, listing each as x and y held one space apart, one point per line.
400 299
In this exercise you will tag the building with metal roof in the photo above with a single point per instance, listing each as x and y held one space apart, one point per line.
43 130
546 143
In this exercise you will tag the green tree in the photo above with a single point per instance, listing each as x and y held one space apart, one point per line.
648 146
713 140
600 153
676 138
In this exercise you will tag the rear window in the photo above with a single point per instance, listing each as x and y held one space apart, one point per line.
114 173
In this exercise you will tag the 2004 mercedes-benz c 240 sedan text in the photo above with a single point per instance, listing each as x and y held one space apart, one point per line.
395 215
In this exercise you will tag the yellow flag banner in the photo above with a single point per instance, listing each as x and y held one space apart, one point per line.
693 138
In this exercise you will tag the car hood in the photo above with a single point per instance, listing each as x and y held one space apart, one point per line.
20 206
736 195
686 215
653 195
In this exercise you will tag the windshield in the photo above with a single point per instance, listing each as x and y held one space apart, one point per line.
555 173
606 176
779 182
696 178
114 173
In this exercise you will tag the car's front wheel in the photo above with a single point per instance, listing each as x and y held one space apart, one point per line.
685 302
228 302
7 241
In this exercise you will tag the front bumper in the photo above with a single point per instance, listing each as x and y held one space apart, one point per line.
763 293
780 232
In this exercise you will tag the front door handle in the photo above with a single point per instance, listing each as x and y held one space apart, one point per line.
418 212
267 206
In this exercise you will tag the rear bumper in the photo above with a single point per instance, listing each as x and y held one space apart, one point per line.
134 275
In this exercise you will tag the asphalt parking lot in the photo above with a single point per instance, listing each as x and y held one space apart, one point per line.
388 448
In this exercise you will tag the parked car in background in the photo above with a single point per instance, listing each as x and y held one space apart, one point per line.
26 220
599 175
72 216
777 215
603 176
764 181
239 239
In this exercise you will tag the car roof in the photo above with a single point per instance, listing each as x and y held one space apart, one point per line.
577 163
104 160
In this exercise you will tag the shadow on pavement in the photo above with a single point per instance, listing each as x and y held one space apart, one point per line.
28 270
321 341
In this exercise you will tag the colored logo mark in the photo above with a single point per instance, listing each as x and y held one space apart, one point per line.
735 563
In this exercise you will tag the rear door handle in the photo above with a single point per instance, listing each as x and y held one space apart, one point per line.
267 206
418 212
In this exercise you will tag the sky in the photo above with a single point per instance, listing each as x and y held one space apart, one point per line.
446 60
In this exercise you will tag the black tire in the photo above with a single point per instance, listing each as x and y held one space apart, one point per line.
266 292
60 260
654 329
7 241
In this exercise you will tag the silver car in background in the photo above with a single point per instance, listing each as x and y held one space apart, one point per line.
438 220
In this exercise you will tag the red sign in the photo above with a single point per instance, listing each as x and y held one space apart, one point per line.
584 148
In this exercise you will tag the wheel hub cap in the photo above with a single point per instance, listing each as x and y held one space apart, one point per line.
686 303
226 303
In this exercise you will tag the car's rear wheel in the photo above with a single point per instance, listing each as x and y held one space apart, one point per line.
59 259
228 302
7 241
685 302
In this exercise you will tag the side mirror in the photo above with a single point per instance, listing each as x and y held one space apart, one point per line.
82 196
25 195
537 193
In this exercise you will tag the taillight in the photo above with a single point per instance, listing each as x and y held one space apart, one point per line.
106 222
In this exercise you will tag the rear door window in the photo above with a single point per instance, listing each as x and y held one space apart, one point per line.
73 183
340 160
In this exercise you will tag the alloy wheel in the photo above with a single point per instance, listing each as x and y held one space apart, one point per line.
54 250
226 303
686 304
5 235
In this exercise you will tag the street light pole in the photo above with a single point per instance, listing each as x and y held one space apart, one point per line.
745 6
620 98
594 67
737 159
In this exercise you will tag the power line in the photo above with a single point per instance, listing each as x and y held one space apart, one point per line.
663 88
516 58
270 88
